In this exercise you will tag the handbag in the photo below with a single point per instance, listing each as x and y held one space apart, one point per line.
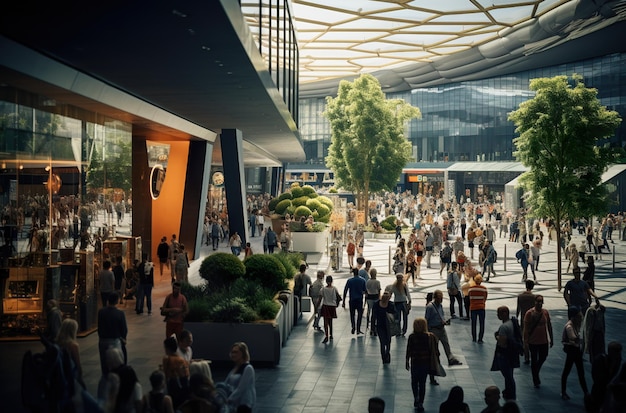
394 326
338 297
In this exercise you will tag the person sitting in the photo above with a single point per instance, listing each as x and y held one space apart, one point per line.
156 400
176 371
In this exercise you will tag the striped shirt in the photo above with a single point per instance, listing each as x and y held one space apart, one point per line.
478 296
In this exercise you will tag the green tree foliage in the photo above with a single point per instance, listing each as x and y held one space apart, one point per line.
561 132
221 270
117 167
368 148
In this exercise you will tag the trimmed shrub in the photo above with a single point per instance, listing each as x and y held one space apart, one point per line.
389 223
273 202
234 310
313 204
221 270
296 191
302 211
308 190
251 290
267 309
282 206
193 292
300 201
326 201
199 310
266 270
285 195
291 261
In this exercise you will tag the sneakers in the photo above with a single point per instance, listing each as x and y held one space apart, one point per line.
454 362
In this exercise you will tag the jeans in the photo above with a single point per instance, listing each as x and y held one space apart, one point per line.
459 299
370 313
538 355
144 291
480 316
418 382
356 307
401 311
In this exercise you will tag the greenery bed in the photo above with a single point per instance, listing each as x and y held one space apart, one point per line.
240 292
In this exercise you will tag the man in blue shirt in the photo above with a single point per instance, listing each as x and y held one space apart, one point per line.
356 286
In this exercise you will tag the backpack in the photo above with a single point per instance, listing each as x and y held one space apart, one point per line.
446 253
47 379
516 345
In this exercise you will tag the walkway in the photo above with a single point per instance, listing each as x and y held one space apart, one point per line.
343 375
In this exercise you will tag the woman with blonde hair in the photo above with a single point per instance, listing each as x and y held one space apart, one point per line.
66 339
402 301
421 350
241 378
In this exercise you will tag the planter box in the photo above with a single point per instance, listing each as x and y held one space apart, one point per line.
368 235
385 235
213 341
310 241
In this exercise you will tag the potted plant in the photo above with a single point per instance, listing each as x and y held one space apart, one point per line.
240 302
307 214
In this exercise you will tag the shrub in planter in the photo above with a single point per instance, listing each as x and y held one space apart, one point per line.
192 292
389 223
251 290
291 261
221 270
267 309
234 310
266 270
199 310
298 197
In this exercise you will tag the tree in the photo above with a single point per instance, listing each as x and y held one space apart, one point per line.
368 148
560 140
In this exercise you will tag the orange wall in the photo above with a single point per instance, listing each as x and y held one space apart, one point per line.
167 209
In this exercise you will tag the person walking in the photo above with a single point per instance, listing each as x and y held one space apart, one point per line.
421 349
120 278
453 283
182 264
357 289
271 240
235 243
522 257
381 312
216 231
112 330
402 302
175 309
572 345
107 282
163 253
578 293
330 301
436 325
506 358
316 297
146 283
490 259
478 298
538 337
525 301
373 294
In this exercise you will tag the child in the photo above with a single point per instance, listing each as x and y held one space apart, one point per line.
248 250
156 400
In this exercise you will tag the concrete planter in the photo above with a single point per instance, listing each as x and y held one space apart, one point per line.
368 235
213 341
385 235
310 241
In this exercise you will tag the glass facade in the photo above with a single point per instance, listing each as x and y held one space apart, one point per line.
59 165
468 121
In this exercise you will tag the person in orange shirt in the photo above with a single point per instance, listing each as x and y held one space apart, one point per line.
478 298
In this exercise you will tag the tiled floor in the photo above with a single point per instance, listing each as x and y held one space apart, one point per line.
342 375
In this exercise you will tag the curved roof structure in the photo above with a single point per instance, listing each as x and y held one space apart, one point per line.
408 44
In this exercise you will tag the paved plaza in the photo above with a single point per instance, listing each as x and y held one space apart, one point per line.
342 375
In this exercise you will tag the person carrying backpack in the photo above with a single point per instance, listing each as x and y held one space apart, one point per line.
445 258
508 348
